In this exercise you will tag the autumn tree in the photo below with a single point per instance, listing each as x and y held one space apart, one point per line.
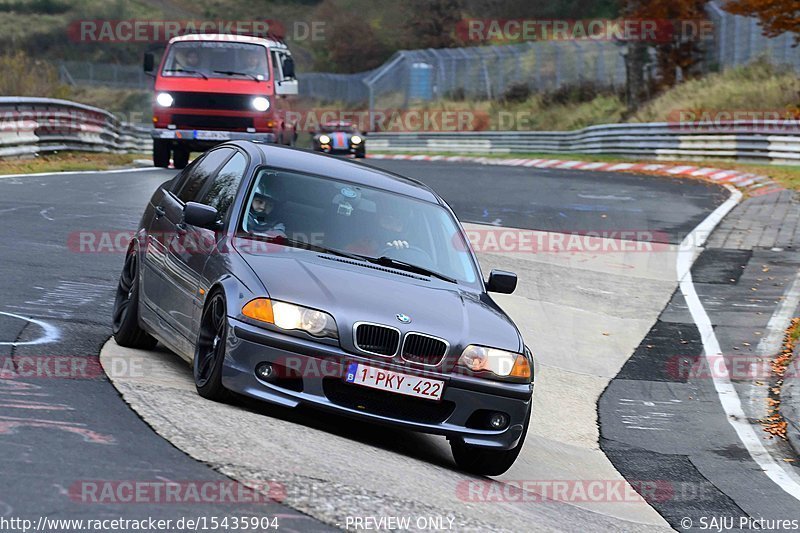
677 45
432 24
776 16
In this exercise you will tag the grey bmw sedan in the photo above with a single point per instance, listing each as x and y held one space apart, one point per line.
299 278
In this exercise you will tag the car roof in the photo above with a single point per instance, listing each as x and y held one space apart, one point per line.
339 168
234 38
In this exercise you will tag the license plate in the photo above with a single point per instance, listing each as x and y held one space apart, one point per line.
211 135
388 380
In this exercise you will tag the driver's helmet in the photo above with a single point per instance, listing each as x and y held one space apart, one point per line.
259 220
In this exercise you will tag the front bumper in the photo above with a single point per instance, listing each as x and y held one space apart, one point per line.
342 151
320 385
210 136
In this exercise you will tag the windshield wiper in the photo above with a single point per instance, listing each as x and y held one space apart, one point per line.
286 241
234 73
188 71
402 265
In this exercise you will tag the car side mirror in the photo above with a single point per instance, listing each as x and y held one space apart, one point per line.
200 215
149 62
501 281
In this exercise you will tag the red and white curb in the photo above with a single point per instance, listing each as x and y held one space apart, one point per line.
753 184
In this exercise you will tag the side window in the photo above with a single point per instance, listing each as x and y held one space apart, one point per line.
201 171
223 188
276 66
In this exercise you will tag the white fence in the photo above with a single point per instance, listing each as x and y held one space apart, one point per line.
37 125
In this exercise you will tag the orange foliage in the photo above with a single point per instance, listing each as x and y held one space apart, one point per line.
776 16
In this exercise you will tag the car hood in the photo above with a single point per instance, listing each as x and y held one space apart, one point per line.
353 291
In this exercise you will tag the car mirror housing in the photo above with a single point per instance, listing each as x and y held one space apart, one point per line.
501 281
200 215
149 62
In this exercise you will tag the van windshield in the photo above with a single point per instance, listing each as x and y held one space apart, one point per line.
216 59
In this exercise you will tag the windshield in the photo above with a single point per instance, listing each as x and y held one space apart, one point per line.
330 128
357 220
216 59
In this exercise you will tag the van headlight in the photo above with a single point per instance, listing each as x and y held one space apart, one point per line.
495 363
260 103
290 316
164 99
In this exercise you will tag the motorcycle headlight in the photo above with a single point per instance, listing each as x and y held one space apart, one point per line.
495 362
290 316
261 103
324 139
355 139
164 99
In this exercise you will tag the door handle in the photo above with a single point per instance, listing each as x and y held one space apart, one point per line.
160 211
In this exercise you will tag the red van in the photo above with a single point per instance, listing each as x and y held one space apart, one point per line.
213 88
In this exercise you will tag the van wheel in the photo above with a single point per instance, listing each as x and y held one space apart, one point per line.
160 153
180 157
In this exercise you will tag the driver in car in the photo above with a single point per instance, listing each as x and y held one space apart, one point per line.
258 218
389 233
253 65
392 225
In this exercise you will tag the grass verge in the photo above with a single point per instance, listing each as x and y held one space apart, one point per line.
65 161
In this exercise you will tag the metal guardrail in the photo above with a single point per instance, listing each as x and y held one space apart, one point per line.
766 141
37 125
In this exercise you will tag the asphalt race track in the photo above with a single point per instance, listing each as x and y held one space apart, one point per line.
583 314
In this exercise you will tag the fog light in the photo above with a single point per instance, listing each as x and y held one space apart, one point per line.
264 371
498 420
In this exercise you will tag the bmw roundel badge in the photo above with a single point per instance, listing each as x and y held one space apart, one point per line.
405 319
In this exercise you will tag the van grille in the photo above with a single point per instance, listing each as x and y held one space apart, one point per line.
212 122
230 102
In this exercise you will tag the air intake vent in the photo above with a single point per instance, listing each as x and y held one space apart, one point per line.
377 339
423 349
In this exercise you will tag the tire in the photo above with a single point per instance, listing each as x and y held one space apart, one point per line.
483 462
125 317
180 157
360 155
209 352
160 153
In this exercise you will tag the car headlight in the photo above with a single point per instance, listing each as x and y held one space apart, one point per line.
164 99
355 139
289 316
324 139
260 103
499 363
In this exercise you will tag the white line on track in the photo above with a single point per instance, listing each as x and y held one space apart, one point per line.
77 172
728 397
50 333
